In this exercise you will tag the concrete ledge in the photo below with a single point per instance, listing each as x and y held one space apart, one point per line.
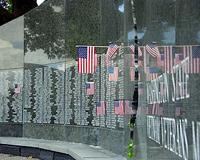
77 150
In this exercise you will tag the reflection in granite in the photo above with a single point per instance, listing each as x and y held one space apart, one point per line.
109 139
12 44
45 30
11 130
156 21
11 73
168 22
54 98
103 23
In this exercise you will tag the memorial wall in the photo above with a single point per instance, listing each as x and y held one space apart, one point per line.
44 94
169 31
11 77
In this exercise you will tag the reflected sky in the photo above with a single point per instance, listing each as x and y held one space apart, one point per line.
39 1
198 36
169 35
12 44
121 8
5 44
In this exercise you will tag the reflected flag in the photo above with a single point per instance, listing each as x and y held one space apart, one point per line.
187 50
168 59
140 58
132 58
128 108
161 61
152 50
107 60
90 88
149 109
161 111
178 58
17 89
112 73
140 91
132 73
161 91
196 59
101 108
140 54
87 59
132 47
118 107
152 73
178 111
112 50
193 52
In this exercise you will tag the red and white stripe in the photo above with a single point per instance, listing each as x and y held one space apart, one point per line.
194 66
154 52
168 59
89 64
114 76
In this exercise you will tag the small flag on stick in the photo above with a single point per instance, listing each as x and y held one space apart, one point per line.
90 88
101 108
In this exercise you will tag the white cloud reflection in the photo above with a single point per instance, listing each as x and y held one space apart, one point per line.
5 44
40 1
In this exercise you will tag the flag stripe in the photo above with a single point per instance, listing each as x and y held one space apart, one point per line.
87 61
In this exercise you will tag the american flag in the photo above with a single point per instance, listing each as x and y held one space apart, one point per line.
101 108
132 73
90 88
178 111
154 109
128 108
112 50
178 58
193 52
161 88
119 107
152 50
132 58
161 61
140 58
140 53
152 73
113 73
140 91
132 47
107 60
149 109
168 52
196 59
17 89
160 111
87 59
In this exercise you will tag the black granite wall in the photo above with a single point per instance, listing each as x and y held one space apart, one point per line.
53 103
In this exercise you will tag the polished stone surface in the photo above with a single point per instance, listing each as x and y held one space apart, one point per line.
11 129
76 150
110 139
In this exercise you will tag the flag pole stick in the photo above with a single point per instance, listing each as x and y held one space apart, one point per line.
101 46
138 46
